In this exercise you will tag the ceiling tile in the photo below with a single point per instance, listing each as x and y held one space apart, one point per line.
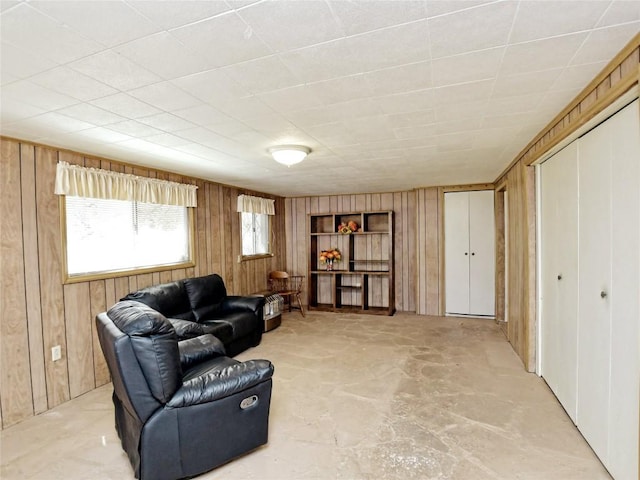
536 20
341 89
289 25
444 7
473 29
15 110
125 105
620 11
211 86
422 117
467 67
237 38
115 70
135 129
167 140
262 75
69 82
105 135
363 107
166 122
407 102
108 22
20 22
389 47
405 78
577 76
165 95
32 94
602 45
176 60
177 13
360 17
202 115
514 104
91 114
463 92
510 85
541 54
21 63
290 99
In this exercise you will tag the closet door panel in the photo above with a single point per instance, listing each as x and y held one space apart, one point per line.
482 253
559 254
456 255
625 297
594 337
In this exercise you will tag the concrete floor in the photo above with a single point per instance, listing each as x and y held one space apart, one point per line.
355 397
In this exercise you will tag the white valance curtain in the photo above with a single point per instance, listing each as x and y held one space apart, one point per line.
80 181
249 204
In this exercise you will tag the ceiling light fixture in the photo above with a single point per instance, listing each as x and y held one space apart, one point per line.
289 154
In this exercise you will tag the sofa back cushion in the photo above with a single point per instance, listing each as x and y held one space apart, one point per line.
154 343
205 296
170 299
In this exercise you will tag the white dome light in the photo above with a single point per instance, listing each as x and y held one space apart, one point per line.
289 154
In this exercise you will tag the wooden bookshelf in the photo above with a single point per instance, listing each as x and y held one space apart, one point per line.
362 282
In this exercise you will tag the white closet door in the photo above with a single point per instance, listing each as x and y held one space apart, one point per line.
456 252
594 334
482 277
559 272
625 294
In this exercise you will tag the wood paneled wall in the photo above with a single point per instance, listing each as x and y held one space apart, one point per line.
618 77
403 204
430 265
38 311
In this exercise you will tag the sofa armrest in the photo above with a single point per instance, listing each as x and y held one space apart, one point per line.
198 349
221 383
235 303
186 328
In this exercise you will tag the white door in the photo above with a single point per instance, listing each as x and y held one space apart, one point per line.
625 294
469 253
594 352
456 252
559 275
482 245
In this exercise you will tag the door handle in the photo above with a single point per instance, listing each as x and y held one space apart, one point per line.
473 253
559 276
466 253
603 294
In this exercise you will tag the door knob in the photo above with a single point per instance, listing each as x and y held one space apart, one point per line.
473 253
559 276
603 294
466 253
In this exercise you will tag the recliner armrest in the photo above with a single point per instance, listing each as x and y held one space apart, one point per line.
198 349
235 303
221 383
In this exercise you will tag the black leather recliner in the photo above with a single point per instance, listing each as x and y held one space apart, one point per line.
181 408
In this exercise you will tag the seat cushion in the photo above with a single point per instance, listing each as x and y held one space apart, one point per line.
205 296
242 324
170 299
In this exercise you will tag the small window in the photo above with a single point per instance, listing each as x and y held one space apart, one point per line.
107 236
255 234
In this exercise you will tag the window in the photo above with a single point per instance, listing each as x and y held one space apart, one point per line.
105 236
255 234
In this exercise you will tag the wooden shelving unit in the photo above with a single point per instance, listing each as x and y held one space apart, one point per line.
362 282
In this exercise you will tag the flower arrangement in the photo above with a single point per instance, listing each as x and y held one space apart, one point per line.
348 227
327 257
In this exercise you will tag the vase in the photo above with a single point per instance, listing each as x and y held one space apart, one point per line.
329 265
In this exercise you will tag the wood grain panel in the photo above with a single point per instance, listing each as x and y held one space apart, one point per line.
428 251
15 388
32 278
50 261
79 338
97 296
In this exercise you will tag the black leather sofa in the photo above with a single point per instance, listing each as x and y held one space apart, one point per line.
200 305
181 407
